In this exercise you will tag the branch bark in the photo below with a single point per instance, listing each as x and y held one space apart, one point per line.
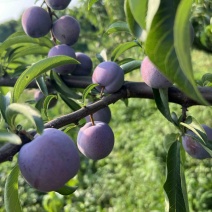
128 90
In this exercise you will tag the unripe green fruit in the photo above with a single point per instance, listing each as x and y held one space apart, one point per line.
152 76
95 141
49 161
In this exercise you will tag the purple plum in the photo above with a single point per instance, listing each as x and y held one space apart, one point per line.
109 75
103 115
49 160
38 95
152 76
95 141
195 149
58 4
36 22
66 29
85 66
63 49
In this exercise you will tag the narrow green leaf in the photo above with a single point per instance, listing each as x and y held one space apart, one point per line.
42 84
139 11
61 87
119 26
37 69
9 137
71 103
44 41
130 66
30 113
90 3
47 102
67 190
86 91
4 102
161 100
29 50
134 28
11 198
182 38
173 185
121 48
160 48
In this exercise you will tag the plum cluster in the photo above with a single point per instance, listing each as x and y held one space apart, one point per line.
38 22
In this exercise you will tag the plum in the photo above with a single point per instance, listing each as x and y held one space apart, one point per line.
66 29
36 22
152 76
38 95
49 160
63 49
85 66
58 4
109 75
103 115
193 148
95 141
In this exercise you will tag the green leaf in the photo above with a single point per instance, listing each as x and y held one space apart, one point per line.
44 41
11 198
61 87
30 113
86 91
28 50
119 26
4 102
9 137
46 103
121 48
161 100
42 84
37 69
134 28
173 185
130 66
90 3
139 11
160 48
71 103
67 190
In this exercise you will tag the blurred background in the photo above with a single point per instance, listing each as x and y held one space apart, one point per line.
132 177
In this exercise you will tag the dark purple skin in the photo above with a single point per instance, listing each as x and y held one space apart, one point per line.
36 22
152 76
38 95
66 29
85 66
49 161
108 75
195 149
95 141
103 115
63 49
58 4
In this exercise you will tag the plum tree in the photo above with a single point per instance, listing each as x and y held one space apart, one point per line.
193 148
85 66
152 76
63 49
36 22
109 75
95 141
49 161
103 115
58 4
66 29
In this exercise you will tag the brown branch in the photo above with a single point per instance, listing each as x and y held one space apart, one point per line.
129 90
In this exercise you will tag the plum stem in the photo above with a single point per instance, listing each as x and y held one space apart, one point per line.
102 91
92 120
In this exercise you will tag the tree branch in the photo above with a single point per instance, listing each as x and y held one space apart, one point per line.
128 90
